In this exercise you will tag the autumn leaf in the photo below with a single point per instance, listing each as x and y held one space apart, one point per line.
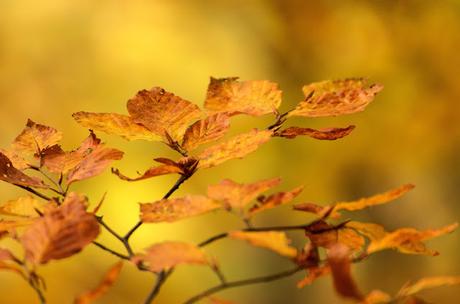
339 261
108 280
61 232
10 174
313 274
115 124
94 163
206 130
58 161
333 98
376 297
372 231
255 98
426 283
409 240
26 206
171 210
237 147
16 158
322 234
276 241
162 112
35 137
274 200
214 300
165 255
152 172
322 134
236 196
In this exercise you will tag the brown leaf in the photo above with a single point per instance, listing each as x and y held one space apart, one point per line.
275 200
94 163
115 124
152 172
61 232
5 255
313 274
171 210
427 283
10 174
16 158
35 137
333 98
255 98
25 206
164 256
237 147
376 297
276 241
322 134
107 281
409 240
339 261
236 196
162 112
322 234
206 130
58 161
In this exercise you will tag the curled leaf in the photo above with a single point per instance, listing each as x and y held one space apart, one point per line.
206 130
426 283
275 200
333 98
255 98
152 172
276 241
322 134
35 137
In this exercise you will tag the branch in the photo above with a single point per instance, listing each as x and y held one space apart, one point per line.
161 279
33 191
103 247
252 281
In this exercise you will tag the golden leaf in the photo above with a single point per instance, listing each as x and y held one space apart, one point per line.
322 234
409 240
171 210
61 232
25 206
16 159
426 283
108 280
276 241
376 297
313 274
237 147
339 261
162 112
59 161
255 98
370 230
206 130
6 226
10 174
152 172
322 134
115 124
13 268
35 137
236 196
333 98
165 255
275 200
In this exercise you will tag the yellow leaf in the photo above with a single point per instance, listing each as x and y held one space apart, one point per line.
333 98
171 210
61 232
115 124
206 130
25 206
376 297
237 147
236 196
273 240
10 174
322 134
426 283
108 280
35 137
370 230
164 256
255 98
275 200
162 112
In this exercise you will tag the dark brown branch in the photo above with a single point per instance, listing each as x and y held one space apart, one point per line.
252 281
161 279
33 191
116 235
103 247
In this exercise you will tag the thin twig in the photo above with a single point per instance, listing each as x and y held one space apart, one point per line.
103 247
33 191
161 279
256 280
116 235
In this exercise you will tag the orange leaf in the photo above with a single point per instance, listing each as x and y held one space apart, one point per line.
313 274
35 137
275 200
61 232
164 256
16 159
25 206
10 174
409 240
5 255
14 268
171 210
237 147
377 296
214 300
206 130
325 235
152 172
237 196
255 98
426 283
108 280
273 240
372 231
59 161
322 134
115 124
333 98
162 112
6 226
339 261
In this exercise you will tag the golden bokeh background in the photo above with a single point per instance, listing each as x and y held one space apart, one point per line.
59 57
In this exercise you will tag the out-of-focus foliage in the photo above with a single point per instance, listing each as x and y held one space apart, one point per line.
58 57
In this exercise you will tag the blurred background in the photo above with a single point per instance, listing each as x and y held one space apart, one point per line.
59 57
